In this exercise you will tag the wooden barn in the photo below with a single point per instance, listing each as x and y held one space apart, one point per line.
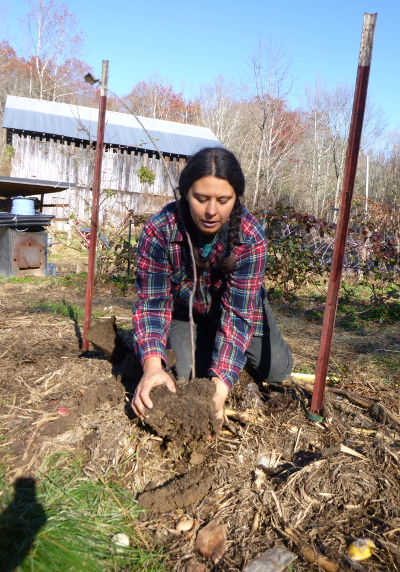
56 142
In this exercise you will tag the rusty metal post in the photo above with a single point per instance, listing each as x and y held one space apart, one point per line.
360 96
95 203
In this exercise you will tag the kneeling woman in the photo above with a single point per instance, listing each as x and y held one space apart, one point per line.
233 321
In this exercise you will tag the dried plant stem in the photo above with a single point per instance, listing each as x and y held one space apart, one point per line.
312 555
193 290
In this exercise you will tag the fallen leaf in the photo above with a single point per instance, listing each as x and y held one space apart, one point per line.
211 541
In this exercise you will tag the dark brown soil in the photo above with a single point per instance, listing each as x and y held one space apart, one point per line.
104 336
60 425
185 416
109 390
181 492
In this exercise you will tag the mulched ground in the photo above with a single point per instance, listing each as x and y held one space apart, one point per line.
55 398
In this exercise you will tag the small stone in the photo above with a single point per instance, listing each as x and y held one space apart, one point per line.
122 540
293 429
269 462
185 524
278 559
264 462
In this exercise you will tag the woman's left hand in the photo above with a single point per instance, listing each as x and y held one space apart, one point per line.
220 396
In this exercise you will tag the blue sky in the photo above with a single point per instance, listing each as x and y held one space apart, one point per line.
191 42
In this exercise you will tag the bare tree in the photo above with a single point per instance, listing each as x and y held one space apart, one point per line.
385 172
52 39
267 85
220 110
322 151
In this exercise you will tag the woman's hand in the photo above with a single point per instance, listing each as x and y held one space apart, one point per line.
153 375
220 396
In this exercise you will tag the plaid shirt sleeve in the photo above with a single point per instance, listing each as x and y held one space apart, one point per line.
152 315
238 304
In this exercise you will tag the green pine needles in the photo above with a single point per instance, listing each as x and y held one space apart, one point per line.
65 522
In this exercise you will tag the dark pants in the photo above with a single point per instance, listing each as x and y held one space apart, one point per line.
268 358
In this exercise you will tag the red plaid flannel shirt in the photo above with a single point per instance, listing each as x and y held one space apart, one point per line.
165 278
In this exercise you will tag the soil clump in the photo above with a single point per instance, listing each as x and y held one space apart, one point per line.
181 492
104 336
185 416
108 390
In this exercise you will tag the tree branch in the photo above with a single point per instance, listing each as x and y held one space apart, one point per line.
193 290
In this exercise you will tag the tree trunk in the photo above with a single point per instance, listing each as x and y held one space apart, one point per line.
260 151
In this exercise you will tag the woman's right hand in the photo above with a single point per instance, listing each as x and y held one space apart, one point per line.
153 375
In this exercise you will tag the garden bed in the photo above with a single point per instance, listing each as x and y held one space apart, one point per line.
62 408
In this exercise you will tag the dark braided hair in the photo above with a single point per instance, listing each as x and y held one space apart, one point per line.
221 163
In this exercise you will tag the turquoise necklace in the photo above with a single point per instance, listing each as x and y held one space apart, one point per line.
208 245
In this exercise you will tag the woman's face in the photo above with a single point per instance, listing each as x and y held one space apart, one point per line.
211 201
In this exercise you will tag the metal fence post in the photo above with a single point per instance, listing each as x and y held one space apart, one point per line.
360 96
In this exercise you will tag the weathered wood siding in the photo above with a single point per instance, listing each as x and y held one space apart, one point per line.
121 189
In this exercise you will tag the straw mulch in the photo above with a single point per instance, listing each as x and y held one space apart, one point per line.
55 399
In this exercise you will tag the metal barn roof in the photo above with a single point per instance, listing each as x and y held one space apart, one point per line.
77 122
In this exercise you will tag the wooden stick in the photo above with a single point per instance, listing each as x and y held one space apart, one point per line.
312 555
376 410
380 413
352 397
193 290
